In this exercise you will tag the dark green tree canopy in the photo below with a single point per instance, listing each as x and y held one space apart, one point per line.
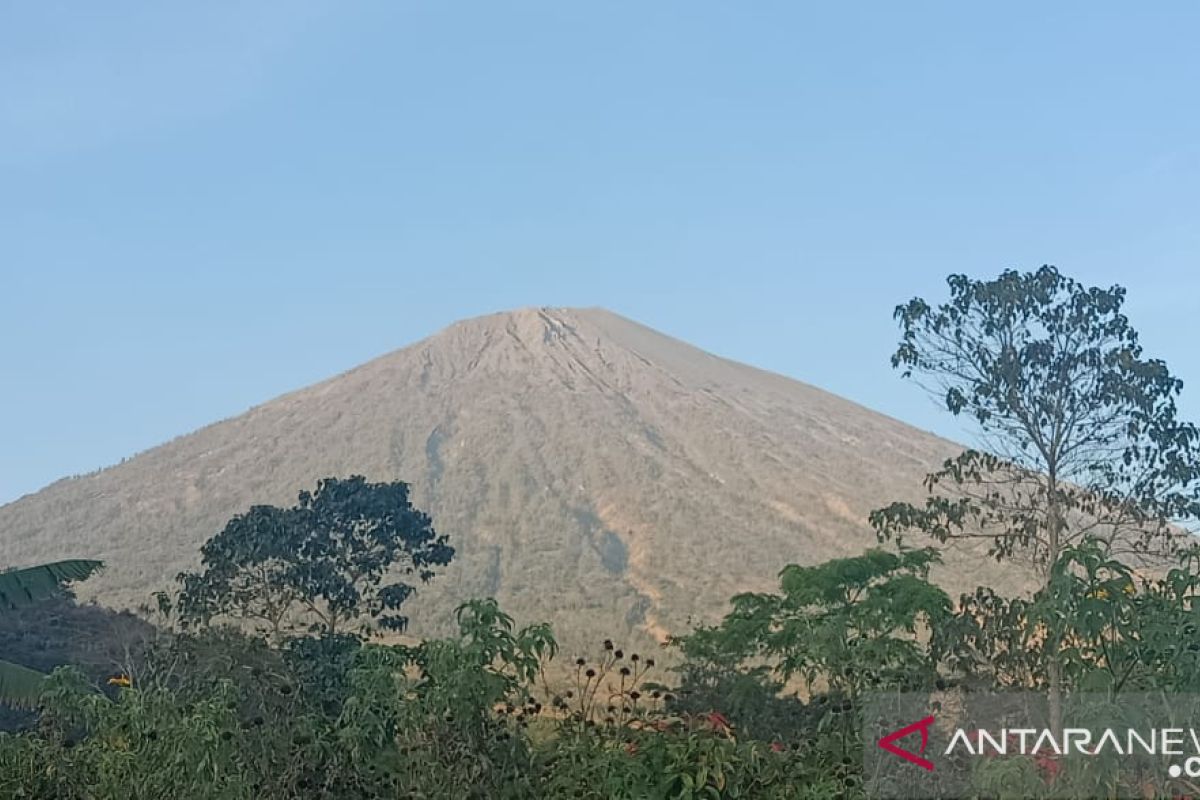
1078 428
338 559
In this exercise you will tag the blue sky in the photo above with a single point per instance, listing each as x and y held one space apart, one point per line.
204 205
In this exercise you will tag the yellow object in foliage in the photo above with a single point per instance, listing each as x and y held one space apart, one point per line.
120 680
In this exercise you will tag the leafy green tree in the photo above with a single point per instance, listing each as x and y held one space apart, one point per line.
1119 631
1078 429
21 588
850 623
436 718
338 561
846 626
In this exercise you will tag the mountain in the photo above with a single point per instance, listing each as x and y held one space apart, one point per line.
589 471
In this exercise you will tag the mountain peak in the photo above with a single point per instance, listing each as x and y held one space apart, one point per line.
589 470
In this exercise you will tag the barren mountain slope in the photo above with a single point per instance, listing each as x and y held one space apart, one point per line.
589 471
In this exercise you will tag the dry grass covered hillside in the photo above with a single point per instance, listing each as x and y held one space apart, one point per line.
589 471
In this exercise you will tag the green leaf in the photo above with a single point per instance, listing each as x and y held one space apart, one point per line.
20 686
27 585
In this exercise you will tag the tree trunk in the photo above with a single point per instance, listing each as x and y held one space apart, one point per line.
1053 645
1054 697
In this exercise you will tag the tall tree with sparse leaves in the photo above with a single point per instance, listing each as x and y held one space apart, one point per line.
1078 430
338 561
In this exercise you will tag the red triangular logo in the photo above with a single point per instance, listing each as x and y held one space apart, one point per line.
889 743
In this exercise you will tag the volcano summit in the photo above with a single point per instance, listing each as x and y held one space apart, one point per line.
588 470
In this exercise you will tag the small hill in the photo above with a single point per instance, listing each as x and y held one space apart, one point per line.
588 469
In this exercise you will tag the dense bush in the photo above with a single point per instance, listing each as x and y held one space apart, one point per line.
762 705
58 631
219 714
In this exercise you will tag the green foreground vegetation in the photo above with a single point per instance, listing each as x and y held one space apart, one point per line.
264 676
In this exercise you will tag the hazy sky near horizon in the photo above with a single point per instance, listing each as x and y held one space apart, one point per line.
205 205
